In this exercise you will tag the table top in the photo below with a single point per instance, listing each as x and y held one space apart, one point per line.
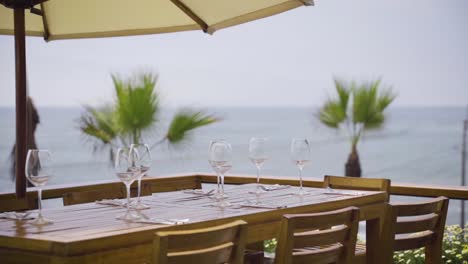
85 224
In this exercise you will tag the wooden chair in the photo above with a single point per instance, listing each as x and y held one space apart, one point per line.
365 184
217 244
416 225
328 237
353 183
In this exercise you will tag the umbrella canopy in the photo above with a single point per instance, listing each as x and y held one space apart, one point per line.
68 19
71 19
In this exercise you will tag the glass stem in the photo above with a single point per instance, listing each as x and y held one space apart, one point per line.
222 186
258 175
258 180
217 181
39 202
128 198
139 189
300 179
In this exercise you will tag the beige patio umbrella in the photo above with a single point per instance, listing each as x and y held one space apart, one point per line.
71 19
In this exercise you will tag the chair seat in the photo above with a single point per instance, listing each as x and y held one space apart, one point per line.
360 253
360 248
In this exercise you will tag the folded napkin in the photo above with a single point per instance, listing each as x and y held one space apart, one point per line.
114 202
17 215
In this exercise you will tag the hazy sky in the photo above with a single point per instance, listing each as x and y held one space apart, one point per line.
420 47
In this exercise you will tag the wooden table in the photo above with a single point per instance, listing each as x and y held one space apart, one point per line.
89 233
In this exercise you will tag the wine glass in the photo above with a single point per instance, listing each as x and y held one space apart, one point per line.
220 157
300 155
258 155
127 171
143 162
211 158
38 171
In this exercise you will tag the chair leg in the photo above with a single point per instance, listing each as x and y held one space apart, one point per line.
434 253
253 257
254 253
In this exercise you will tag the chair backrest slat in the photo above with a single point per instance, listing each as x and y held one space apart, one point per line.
416 224
320 220
414 241
320 256
318 238
187 240
353 183
171 184
218 254
419 208
218 244
114 192
72 198
14 204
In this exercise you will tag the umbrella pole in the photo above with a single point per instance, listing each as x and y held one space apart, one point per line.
21 97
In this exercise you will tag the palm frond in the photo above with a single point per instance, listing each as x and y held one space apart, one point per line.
186 120
133 112
99 123
386 97
343 93
375 121
364 103
370 102
332 114
137 104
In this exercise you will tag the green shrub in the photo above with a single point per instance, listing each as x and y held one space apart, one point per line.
270 245
454 248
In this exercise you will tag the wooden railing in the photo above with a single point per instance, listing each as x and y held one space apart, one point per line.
165 183
406 189
173 182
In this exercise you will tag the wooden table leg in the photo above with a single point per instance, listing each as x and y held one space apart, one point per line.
377 243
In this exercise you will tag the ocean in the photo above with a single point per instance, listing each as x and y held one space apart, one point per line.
416 145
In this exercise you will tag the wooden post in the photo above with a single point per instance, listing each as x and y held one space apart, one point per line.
463 171
19 7
21 97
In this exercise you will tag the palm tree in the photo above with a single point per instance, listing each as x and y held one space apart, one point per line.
359 107
134 114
